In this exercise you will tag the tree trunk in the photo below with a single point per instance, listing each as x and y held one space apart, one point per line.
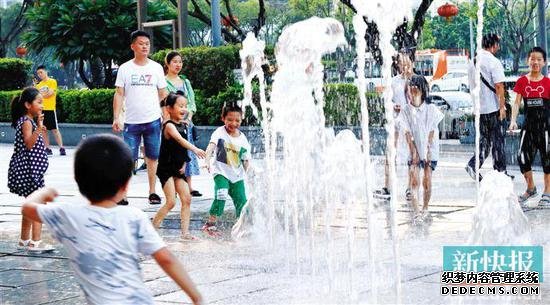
516 58
83 74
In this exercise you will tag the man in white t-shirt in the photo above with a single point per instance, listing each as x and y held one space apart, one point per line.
492 106
140 83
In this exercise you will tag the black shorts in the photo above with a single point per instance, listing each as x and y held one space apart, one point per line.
50 119
164 175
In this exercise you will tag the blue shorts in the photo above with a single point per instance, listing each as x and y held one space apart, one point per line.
422 164
151 138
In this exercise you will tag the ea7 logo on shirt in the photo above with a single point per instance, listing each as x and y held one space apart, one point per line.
141 80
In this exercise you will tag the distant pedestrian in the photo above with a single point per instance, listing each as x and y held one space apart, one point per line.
492 107
419 121
232 155
102 240
141 85
534 89
48 88
179 82
172 160
29 161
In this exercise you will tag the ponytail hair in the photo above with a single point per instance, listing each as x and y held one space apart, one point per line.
18 108
170 100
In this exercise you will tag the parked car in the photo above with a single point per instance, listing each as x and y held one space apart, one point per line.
452 81
454 105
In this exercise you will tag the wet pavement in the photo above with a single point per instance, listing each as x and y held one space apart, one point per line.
245 272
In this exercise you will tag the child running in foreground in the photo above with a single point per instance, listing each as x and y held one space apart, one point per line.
232 152
29 161
420 123
172 159
534 89
103 240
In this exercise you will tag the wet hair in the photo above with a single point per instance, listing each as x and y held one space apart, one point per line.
102 165
537 50
231 107
420 82
41 67
18 108
489 40
135 34
169 56
171 98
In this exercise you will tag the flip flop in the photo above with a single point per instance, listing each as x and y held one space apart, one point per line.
154 199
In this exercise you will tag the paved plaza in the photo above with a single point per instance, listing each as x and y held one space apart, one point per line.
242 272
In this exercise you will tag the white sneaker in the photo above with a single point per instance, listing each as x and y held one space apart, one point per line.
39 247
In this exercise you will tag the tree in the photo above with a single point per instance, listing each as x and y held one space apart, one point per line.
234 33
405 38
518 17
92 32
16 23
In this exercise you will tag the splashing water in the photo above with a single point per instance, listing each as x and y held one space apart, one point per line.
498 218
387 15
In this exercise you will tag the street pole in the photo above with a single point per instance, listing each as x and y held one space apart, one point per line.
216 24
472 46
141 13
542 30
183 35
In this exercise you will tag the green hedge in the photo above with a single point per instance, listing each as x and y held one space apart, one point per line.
85 106
342 105
73 106
209 69
14 73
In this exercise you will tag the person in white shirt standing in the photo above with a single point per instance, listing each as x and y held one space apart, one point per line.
492 106
419 122
140 83
398 85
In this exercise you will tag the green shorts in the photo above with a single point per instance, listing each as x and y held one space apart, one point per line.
223 190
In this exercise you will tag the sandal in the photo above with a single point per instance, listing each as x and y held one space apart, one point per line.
196 193
528 194
544 201
37 246
190 238
23 244
154 199
408 195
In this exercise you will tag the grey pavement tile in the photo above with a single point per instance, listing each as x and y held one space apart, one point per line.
79 300
51 291
34 263
16 278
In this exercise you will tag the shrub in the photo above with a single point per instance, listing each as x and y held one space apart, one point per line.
14 73
208 69
86 106
73 106
5 104
343 107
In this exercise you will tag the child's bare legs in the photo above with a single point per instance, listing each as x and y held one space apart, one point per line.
546 183
427 184
170 194
26 225
414 182
185 197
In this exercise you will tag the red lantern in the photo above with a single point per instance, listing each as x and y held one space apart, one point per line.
448 11
21 51
226 21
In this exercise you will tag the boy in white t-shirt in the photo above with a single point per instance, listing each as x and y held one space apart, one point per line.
232 154
103 240
419 122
